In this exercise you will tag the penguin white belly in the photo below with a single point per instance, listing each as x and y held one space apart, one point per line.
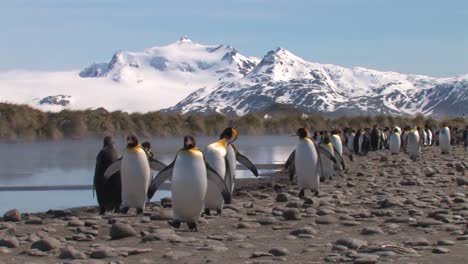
189 184
424 137
135 173
444 140
429 137
413 146
395 143
215 156
351 143
336 141
306 162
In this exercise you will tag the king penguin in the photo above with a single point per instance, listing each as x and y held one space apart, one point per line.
395 142
335 139
190 174
222 156
350 143
413 146
108 191
327 165
135 171
444 139
304 162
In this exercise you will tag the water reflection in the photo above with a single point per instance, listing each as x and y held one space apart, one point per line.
72 163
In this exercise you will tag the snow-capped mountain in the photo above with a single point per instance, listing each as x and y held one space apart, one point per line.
189 77
183 60
283 78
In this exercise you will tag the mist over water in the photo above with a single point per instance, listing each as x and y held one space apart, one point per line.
72 162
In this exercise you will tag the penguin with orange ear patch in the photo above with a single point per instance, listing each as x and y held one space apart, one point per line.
222 155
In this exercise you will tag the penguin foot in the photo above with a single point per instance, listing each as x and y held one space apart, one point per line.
301 193
116 209
139 211
102 210
207 211
193 227
219 211
174 223
125 210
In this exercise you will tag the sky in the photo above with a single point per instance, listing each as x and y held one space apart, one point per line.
428 37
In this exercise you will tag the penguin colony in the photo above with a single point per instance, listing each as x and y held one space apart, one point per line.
203 181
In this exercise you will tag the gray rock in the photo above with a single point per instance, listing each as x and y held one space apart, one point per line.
12 216
70 253
161 216
282 197
461 181
103 252
445 242
366 260
121 230
372 230
279 251
292 214
9 242
176 255
76 223
4 250
245 225
258 254
352 243
440 250
303 230
46 244
34 220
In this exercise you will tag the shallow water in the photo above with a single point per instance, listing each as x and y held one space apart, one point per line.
72 163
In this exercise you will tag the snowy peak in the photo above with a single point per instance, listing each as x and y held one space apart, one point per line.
181 60
184 39
282 78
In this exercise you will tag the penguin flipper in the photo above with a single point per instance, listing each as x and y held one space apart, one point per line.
290 159
215 178
245 161
339 158
159 179
290 165
228 177
326 153
156 164
112 169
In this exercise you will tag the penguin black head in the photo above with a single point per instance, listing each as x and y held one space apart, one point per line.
108 141
302 132
229 133
146 145
189 142
326 140
132 141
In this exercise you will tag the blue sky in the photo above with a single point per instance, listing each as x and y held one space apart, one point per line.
410 36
